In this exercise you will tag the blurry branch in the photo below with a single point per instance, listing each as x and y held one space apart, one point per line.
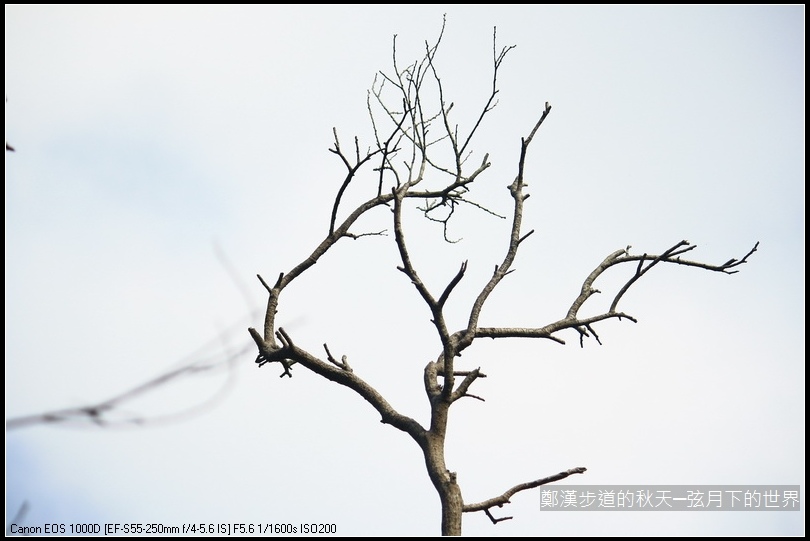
19 517
240 284
110 413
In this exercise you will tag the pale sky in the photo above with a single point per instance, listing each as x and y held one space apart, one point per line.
167 155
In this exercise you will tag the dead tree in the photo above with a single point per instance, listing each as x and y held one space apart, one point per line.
412 165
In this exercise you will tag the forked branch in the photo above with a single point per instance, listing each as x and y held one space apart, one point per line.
584 325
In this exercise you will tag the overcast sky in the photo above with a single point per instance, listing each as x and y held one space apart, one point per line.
167 155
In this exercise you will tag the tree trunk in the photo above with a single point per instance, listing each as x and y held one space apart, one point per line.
445 483
452 504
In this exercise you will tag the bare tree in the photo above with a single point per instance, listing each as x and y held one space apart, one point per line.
411 164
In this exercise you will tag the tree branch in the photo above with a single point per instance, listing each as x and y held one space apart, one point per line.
673 256
346 377
515 238
584 325
463 387
453 283
500 501
352 171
